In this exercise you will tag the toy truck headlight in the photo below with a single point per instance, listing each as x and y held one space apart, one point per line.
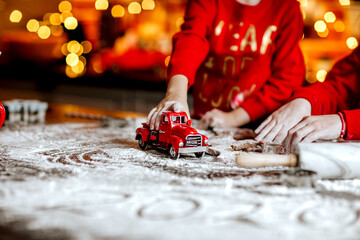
206 141
181 144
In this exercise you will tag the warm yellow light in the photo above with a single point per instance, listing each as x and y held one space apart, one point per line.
56 30
167 61
73 46
71 23
321 75
78 68
83 60
70 73
15 16
148 4
323 34
72 59
101 4
118 11
64 49
179 22
330 17
65 15
87 46
134 8
344 2
303 3
80 51
46 18
44 32
339 26
55 19
32 25
352 43
65 6
320 26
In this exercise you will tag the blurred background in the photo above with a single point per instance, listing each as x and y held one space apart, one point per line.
112 54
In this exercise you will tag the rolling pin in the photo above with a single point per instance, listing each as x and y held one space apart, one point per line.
330 160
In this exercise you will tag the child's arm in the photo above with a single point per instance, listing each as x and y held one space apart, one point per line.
190 48
287 69
175 100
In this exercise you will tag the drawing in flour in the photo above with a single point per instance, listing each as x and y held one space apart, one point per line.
175 135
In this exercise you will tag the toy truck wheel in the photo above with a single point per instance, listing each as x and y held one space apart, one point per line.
199 154
173 154
142 144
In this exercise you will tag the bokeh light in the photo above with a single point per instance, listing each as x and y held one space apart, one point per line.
44 32
321 75
72 59
118 11
148 4
56 30
352 42
32 25
64 49
344 2
55 19
78 68
323 34
70 73
101 4
339 26
71 23
15 16
65 6
83 59
330 17
87 46
65 15
320 26
134 8
73 46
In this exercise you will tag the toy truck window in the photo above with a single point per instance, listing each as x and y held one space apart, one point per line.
178 119
165 120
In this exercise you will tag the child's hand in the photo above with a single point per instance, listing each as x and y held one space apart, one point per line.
165 105
218 118
275 128
325 127
175 100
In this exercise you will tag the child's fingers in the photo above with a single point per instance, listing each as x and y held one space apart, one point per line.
268 127
272 133
280 137
177 107
297 133
263 125
157 119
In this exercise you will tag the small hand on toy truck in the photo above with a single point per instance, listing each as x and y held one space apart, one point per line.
175 135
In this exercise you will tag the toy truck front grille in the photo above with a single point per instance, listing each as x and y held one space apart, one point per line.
193 140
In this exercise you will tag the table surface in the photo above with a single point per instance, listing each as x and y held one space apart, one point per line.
76 178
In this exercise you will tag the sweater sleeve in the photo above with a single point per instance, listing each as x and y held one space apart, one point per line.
340 90
352 119
190 45
288 68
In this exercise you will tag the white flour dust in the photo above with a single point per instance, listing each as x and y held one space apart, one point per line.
81 181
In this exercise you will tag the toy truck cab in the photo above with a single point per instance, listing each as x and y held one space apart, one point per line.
175 134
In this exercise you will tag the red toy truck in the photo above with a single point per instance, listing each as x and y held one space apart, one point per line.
175 135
